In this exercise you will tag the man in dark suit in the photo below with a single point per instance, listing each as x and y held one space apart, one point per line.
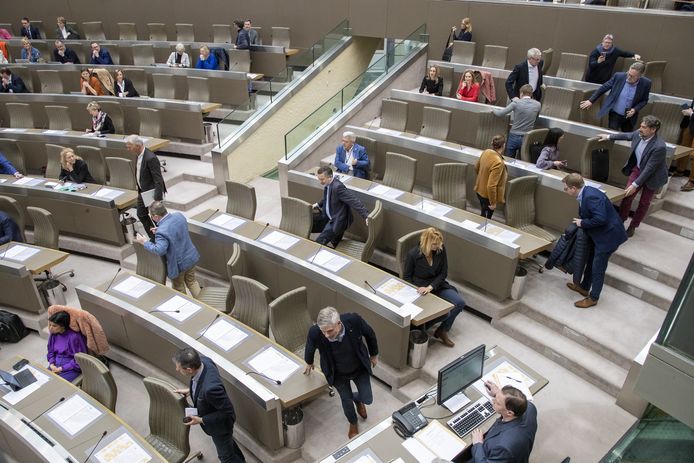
11 83
335 208
646 169
215 413
64 55
511 437
344 358
629 93
527 72
9 230
29 31
148 176
99 55
603 226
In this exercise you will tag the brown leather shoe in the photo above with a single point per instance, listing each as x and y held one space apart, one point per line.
578 289
361 409
353 430
585 303
443 336
689 186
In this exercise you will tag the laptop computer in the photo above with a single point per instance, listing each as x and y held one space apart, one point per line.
18 380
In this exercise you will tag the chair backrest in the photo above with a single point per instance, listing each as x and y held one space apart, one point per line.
661 4
95 160
533 136
654 71
122 173
150 122
557 102
58 117
394 115
11 207
143 55
400 171
463 52
297 217
25 74
520 201
584 164
495 56
235 266
240 60
374 226
113 50
448 183
139 80
97 380
221 33
281 37
403 246
670 115
127 31
53 160
50 81
46 232
547 56
251 306
629 3
185 33
590 115
572 66
435 122
369 145
157 31
241 199
21 116
13 152
290 319
165 411
198 89
115 112
446 73
93 30
164 85
149 265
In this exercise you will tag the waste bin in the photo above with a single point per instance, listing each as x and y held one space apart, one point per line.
518 285
52 292
293 424
417 352
210 132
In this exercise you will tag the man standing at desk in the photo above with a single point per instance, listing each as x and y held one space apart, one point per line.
215 413
148 177
7 168
511 437
344 358
351 158
335 208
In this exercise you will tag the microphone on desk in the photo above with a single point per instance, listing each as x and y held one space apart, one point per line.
208 326
5 251
276 381
211 215
369 285
84 441
164 311
319 250
43 412
103 434
114 279
262 231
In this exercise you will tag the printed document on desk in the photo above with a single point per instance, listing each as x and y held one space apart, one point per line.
20 253
420 453
15 397
280 240
431 207
107 193
28 181
225 334
398 290
186 307
386 192
505 374
227 222
437 438
122 449
329 260
133 287
271 362
74 414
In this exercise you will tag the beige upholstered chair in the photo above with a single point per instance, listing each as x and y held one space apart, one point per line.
241 200
20 115
402 247
557 102
572 66
167 433
50 81
590 115
281 37
221 33
670 115
25 74
46 232
394 115
251 306
654 71
547 56
290 319
185 33
297 217
220 297
198 88
11 207
164 85
240 60
533 136
13 152
495 56
53 160
400 171
157 32
463 52
448 183
139 80
58 117
364 250
149 265
115 112
583 164
127 31
143 54
113 50
97 380
627 3
122 172
520 206
446 73
150 122
93 30
95 160
435 123
661 4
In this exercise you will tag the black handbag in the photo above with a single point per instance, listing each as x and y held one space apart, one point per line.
11 327
448 50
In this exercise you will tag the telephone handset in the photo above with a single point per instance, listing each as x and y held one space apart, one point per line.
408 420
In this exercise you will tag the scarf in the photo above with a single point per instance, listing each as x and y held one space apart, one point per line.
601 50
97 121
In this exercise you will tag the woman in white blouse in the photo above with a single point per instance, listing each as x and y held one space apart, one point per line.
179 58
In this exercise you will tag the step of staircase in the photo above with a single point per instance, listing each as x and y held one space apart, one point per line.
185 194
672 222
679 202
640 286
580 360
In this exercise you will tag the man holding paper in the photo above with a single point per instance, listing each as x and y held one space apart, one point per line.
150 182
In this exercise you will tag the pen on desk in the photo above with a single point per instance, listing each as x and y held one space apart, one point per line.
514 379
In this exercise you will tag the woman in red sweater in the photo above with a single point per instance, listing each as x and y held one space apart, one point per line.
468 90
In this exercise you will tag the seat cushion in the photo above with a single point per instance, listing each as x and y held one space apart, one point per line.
539 232
214 296
351 247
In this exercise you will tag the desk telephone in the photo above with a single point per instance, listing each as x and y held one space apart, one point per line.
408 420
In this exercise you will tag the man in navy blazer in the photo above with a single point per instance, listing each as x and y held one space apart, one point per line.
29 31
11 83
9 230
351 157
646 168
335 208
99 55
215 413
629 92
511 437
606 232
527 72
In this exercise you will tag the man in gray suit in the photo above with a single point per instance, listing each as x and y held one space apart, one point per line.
646 169
252 33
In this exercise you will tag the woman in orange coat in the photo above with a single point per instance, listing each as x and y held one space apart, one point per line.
491 177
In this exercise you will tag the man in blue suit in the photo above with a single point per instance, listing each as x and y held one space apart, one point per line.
351 158
604 228
29 31
9 231
171 239
99 55
215 413
629 93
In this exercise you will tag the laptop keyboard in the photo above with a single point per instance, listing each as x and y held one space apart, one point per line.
472 417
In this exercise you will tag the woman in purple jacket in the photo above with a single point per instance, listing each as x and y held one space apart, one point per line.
63 344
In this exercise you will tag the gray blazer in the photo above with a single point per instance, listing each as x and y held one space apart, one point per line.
653 167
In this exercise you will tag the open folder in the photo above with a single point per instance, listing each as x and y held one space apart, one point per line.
147 197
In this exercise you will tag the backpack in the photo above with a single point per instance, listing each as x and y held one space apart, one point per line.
11 327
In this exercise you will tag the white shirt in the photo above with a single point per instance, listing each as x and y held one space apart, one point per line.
533 75
64 32
348 158
139 166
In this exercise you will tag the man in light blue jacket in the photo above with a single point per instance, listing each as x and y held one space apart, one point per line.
171 239
351 158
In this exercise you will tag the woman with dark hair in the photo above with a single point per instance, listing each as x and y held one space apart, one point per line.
63 344
549 156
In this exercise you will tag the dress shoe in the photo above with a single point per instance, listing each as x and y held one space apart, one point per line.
585 303
630 232
361 409
353 430
443 336
578 289
689 186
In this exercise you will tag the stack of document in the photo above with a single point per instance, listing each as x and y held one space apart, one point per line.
225 334
28 181
434 441
122 449
133 287
398 290
74 414
431 207
19 253
228 222
272 363
506 374
280 240
329 260
493 231
107 193
386 192
185 308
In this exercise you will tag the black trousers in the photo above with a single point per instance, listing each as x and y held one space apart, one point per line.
227 449
620 123
484 207
143 216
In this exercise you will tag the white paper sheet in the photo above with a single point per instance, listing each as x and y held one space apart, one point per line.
53 185
227 222
186 307
469 224
418 450
19 253
28 181
398 290
365 459
74 414
329 260
17 396
409 309
274 364
55 132
122 449
599 186
133 287
431 207
224 334
440 440
280 240
14 130
457 402
147 197
108 193
505 374
501 233
386 192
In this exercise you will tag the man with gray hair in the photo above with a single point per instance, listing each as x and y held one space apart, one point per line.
351 158
527 72
344 358
148 177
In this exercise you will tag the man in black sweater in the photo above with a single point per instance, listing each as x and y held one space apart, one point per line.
64 55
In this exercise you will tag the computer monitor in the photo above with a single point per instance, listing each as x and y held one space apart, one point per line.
459 374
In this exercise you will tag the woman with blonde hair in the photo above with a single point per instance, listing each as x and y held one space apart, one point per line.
179 58
101 122
465 32
28 52
73 168
426 267
468 89
432 82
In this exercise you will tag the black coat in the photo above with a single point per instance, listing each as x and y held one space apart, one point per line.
68 57
129 87
599 73
150 175
32 34
418 271
571 252
519 77
212 401
80 173
106 126
16 85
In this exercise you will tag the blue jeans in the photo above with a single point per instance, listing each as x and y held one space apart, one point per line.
362 380
227 450
451 295
513 145
594 273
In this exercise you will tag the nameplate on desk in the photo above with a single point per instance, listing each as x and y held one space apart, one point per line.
107 193
491 230
54 132
74 414
185 308
329 260
272 363
227 222
133 287
386 192
431 207
280 240
398 290
28 181
506 374
225 334
15 397
20 253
